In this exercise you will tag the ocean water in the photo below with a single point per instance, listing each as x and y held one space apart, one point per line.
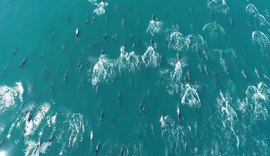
144 77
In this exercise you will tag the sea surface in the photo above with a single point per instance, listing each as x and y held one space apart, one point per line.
134 77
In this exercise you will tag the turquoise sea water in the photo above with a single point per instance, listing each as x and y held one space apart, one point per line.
67 95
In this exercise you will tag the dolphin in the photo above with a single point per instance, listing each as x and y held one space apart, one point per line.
23 63
77 33
98 147
178 111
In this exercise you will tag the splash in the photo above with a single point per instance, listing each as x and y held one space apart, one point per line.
9 96
196 42
173 77
32 125
260 20
251 9
259 38
177 41
214 30
128 61
151 58
190 96
229 120
36 148
219 6
154 27
256 100
103 70
229 116
100 7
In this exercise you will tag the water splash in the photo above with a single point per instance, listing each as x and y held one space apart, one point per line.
214 30
256 100
177 41
251 9
100 7
190 96
151 58
196 42
9 96
128 61
259 38
103 70
154 27
32 125
219 6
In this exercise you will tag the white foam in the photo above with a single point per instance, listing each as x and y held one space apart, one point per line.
251 9
154 27
196 42
128 61
9 95
219 6
35 148
76 129
177 41
32 125
100 7
190 96
151 58
256 99
214 30
259 38
229 115
261 21
103 70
